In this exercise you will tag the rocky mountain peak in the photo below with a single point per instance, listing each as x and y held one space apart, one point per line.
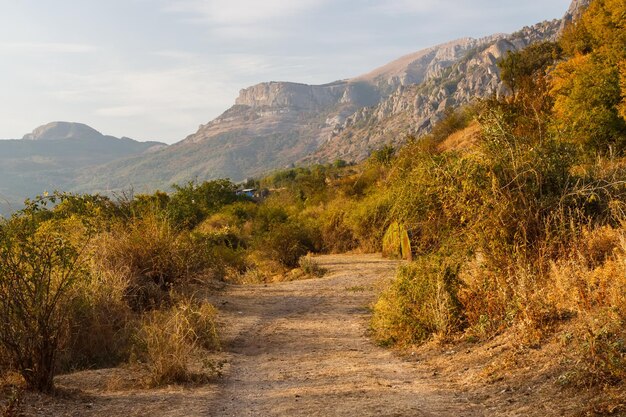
291 95
420 66
63 130
574 11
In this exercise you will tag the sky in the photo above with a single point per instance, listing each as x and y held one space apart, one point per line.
157 69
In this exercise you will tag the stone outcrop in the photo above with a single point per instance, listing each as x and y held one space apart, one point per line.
574 11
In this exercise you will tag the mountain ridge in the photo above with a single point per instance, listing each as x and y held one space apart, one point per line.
273 125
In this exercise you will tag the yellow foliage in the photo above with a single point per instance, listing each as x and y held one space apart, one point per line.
588 93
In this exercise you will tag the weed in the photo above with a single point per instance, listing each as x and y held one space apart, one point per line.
421 301
170 339
311 267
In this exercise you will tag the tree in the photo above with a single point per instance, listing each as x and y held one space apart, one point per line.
192 202
520 70
588 87
39 268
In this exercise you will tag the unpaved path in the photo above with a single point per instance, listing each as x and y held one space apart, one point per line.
301 349
291 349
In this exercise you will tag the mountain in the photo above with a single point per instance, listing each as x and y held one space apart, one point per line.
52 155
276 124
63 130
413 108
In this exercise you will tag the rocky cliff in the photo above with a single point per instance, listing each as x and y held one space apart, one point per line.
575 9
413 108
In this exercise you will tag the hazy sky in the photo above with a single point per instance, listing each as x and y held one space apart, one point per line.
156 69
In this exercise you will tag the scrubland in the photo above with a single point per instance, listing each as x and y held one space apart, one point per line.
512 211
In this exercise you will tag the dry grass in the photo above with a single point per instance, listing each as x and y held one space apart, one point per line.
103 324
152 258
310 267
463 140
170 340
591 284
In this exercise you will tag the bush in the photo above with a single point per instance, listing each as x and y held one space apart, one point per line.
191 203
420 302
102 325
311 267
369 219
39 269
169 340
336 233
287 242
153 257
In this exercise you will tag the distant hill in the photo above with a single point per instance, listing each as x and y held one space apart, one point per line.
52 156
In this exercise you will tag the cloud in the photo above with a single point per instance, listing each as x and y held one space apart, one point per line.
176 55
121 111
46 47
241 12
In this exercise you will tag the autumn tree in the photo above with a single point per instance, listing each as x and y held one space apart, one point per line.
589 87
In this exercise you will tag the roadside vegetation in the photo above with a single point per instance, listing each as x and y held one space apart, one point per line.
519 228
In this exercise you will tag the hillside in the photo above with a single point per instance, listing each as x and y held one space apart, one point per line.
414 108
51 156
276 124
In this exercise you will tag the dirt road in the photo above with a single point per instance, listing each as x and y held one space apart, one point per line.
301 349
290 349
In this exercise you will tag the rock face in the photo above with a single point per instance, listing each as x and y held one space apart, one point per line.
276 124
413 108
574 11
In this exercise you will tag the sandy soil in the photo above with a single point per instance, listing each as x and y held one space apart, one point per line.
302 349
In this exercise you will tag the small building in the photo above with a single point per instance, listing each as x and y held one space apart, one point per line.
248 192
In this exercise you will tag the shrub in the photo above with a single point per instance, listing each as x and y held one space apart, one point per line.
311 267
169 340
420 302
191 203
591 283
369 219
337 235
39 268
153 257
286 243
102 325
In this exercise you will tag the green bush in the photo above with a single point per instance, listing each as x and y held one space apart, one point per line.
40 266
287 242
191 203
420 302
